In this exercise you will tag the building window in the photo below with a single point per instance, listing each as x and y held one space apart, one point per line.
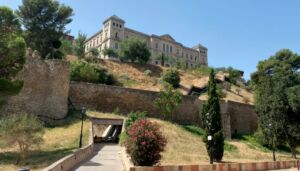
164 47
195 58
191 57
167 48
117 25
120 26
156 45
171 49
113 24
116 45
116 35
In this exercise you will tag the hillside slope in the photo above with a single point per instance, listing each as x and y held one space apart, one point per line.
147 77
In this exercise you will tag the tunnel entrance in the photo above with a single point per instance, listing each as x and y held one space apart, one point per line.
106 130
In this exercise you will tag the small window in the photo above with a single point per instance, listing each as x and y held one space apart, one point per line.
117 25
156 62
120 26
164 47
156 45
114 24
191 57
171 49
116 45
116 35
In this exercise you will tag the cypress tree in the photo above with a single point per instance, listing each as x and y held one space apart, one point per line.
212 122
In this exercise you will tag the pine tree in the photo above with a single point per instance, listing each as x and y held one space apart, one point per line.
212 122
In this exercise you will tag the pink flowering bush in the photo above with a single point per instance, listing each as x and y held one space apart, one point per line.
144 143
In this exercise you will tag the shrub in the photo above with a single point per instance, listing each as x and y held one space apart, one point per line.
168 101
147 72
22 129
132 117
172 77
86 72
110 52
201 70
145 142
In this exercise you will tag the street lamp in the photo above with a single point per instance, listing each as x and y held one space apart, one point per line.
83 110
272 136
209 137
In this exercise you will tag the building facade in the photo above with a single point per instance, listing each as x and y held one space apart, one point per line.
162 48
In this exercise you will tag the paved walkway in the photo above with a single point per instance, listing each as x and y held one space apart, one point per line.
107 158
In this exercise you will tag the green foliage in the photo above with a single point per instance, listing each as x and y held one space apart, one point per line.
132 117
201 70
122 138
194 129
145 142
12 53
275 84
66 47
134 50
86 72
22 129
233 76
44 22
212 122
147 72
168 101
293 94
80 45
94 52
172 77
110 52
230 148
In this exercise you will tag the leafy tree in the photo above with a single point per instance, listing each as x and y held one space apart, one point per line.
94 52
66 47
80 45
172 77
110 52
21 129
44 22
12 53
212 121
168 101
276 85
135 50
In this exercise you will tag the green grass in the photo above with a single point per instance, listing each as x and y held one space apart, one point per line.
252 142
230 148
194 129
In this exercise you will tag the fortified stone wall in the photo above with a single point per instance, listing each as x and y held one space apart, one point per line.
237 118
45 91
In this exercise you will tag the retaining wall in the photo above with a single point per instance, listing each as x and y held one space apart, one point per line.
237 117
45 91
260 166
70 161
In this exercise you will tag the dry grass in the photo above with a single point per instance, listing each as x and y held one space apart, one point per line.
59 141
184 147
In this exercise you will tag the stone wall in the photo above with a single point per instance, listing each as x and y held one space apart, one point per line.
237 118
45 91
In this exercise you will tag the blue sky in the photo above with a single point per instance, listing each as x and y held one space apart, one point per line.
237 33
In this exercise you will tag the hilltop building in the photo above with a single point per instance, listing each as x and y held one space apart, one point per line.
114 31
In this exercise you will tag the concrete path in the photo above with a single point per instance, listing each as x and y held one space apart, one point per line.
107 157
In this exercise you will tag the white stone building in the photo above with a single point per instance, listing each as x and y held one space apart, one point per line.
114 31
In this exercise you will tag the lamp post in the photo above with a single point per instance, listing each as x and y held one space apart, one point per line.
209 137
80 138
272 136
